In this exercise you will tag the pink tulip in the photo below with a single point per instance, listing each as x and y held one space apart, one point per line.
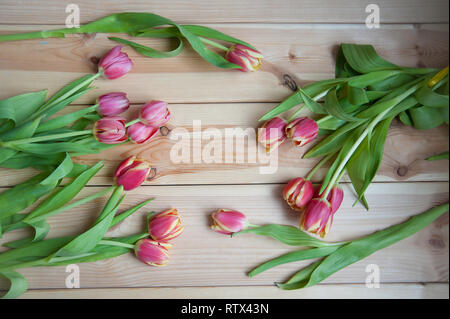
302 130
228 221
317 218
298 192
165 226
132 172
113 103
115 63
272 134
247 58
110 130
155 113
335 197
140 133
152 252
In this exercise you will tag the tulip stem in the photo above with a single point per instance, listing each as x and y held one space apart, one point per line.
213 43
316 98
115 243
69 93
132 122
318 166
339 171
46 138
296 113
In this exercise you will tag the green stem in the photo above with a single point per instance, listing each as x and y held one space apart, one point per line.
338 173
132 122
323 119
296 113
33 263
115 243
213 43
69 93
46 138
315 98
318 166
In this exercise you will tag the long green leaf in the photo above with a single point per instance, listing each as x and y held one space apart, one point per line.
288 235
361 248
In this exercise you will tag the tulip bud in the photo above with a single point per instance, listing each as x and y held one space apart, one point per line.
165 226
132 172
115 63
317 218
272 134
152 252
140 133
110 130
113 103
298 192
335 197
227 221
302 130
155 113
247 58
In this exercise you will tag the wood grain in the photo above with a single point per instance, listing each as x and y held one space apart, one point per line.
321 291
399 163
201 11
304 52
201 257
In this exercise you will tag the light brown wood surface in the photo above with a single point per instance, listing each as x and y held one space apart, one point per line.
298 38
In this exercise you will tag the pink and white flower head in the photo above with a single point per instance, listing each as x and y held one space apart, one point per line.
317 218
110 130
113 103
140 133
298 192
155 113
165 226
302 130
247 58
132 172
115 63
152 253
227 221
334 197
272 134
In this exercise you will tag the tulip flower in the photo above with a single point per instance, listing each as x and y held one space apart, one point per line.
247 58
272 134
317 218
115 63
140 133
298 192
227 221
302 130
110 130
132 172
152 252
113 103
334 197
155 113
165 226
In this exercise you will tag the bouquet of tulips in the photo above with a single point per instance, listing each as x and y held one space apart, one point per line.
359 106
150 247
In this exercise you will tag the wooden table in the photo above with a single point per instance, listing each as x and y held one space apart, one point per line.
299 39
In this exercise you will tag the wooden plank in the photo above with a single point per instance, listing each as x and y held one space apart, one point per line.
400 163
321 291
201 257
304 52
201 11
